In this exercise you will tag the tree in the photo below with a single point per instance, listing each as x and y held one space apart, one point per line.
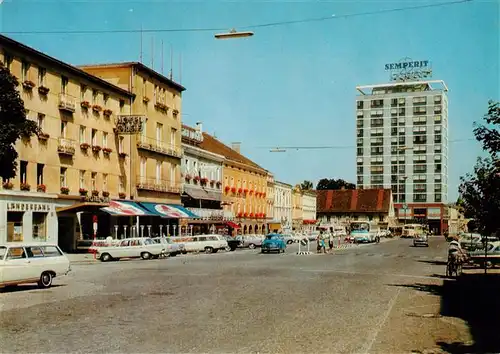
13 123
480 190
334 184
306 185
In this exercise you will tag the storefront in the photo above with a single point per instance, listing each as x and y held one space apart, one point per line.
28 217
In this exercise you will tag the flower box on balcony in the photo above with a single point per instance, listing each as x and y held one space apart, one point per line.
84 146
240 190
187 177
43 136
25 187
83 192
251 192
95 193
96 148
233 189
105 194
219 183
107 112
8 185
264 194
161 107
43 90
145 99
251 215
212 182
107 151
227 189
122 155
41 188
204 180
175 112
28 84
65 190
96 108
245 215
122 195
85 104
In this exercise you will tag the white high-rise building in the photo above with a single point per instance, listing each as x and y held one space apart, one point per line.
402 144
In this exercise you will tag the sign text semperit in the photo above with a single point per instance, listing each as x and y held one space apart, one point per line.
407 65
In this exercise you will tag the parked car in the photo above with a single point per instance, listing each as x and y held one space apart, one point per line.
211 243
137 247
421 240
251 241
273 243
171 248
232 243
23 263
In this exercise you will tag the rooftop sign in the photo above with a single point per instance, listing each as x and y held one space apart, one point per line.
409 70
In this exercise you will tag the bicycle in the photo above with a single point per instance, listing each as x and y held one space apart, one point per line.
453 267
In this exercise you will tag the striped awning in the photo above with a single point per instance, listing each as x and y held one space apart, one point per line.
172 211
125 208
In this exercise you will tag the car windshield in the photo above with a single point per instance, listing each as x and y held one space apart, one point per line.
360 226
272 237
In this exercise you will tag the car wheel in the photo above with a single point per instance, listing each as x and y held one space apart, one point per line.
209 250
45 280
146 255
251 246
289 242
228 249
106 257
173 254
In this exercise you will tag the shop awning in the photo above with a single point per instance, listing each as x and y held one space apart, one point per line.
203 194
232 224
173 211
125 208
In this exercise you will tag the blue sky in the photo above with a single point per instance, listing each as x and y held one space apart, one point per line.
289 85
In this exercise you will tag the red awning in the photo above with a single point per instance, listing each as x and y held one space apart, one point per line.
232 224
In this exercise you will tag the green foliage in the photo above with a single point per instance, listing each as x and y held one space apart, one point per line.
480 190
306 185
334 184
13 123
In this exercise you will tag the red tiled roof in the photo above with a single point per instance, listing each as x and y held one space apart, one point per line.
354 200
213 145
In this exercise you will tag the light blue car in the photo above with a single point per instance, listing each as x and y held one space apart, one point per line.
273 243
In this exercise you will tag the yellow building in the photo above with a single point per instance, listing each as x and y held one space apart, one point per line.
76 158
297 214
157 160
270 197
244 186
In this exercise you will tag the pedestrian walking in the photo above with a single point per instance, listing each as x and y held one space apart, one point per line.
318 241
330 242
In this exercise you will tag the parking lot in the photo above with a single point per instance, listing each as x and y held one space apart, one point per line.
369 298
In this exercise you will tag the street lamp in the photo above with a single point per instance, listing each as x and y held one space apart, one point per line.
233 34
277 150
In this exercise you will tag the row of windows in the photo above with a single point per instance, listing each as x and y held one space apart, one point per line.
400 122
204 170
416 100
257 186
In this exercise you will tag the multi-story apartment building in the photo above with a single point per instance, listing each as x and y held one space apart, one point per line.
270 197
202 174
297 216
155 156
309 209
75 162
402 144
283 205
244 187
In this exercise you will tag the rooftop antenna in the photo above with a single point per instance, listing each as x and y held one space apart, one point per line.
152 53
171 74
140 56
162 56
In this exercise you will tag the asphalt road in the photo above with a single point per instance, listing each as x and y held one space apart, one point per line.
367 299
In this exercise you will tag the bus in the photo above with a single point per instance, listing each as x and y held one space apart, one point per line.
361 232
413 230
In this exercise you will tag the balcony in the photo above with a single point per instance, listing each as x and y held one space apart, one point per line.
66 103
158 185
212 214
158 146
66 146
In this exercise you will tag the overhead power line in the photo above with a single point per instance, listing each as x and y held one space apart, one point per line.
271 24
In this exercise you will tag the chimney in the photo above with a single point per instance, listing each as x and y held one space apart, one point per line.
199 127
236 146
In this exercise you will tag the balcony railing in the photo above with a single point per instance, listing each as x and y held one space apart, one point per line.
212 214
67 103
158 146
158 185
66 146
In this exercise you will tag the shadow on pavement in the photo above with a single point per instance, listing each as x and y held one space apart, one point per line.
13 289
443 263
474 299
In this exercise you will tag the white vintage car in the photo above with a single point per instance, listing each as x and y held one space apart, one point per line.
202 243
171 248
22 263
143 247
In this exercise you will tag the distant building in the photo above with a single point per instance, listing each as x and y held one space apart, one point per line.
282 207
402 144
309 206
340 207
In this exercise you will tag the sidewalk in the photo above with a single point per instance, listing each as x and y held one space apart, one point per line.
81 258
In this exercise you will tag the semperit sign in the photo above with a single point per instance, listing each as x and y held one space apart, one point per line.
408 69
127 124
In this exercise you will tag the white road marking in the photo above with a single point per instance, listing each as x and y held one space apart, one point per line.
382 322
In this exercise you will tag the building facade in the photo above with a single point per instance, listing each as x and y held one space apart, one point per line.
297 215
283 205
309 209
244 187
402 144
202 174
156 152
75 160
341 207
270 199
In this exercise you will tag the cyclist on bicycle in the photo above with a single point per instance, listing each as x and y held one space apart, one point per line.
455 252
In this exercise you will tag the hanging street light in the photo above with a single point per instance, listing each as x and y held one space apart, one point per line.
233 34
